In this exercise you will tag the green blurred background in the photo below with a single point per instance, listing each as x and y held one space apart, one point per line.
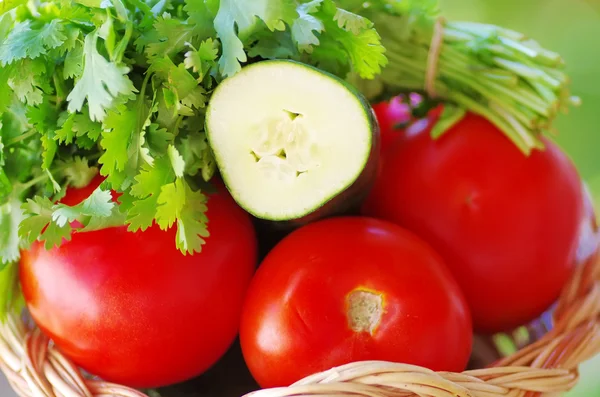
571 28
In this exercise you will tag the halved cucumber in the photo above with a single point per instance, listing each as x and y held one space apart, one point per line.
292 142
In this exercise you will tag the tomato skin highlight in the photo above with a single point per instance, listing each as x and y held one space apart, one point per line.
130 308
392 115
295 318
507 225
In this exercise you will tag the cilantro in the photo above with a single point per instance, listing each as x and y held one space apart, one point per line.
26 40
172 35
179 202
74 62
351 35
243 16
55 223
38 224
77 125
99 204
120 88
202 60
147 188
10 218
306 27
77 171
100 82
27 79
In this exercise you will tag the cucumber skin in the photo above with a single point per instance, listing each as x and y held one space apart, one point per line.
347 200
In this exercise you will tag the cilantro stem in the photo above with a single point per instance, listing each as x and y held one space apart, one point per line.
32 182
22 187
22 137
495 72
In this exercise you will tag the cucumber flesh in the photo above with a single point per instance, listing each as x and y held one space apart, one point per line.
288 138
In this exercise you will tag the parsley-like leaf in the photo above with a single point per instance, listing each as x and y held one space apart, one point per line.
176 161
179 203
38 224
306 27
26 40
122 137
243 16
170 37
28 79
348 35
74 62
98 204
147 187
100 82
77 171
10 218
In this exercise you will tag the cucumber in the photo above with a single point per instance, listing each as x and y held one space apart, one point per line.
292 143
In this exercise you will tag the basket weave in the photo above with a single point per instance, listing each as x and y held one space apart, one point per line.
549 366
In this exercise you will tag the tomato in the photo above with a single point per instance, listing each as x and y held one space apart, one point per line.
347 289
130 308
506 224
393 116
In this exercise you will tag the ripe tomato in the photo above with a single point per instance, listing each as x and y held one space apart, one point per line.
393 116
506 224
130 308
347 289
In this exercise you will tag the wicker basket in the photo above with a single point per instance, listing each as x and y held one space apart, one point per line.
549 366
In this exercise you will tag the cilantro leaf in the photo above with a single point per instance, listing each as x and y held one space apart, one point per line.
305 27
98 204
171 202
50 147
192 222
152 177
74 62
6 93
43 118
77 125
273 45
119 126
11 296
141 214
122 138
54 223
179 203
38 224
77 171
170 37
158 139
243 15
146 189
26 40
100 82
200 17
176 161
28 80
350 34
351 22
10 218
202 59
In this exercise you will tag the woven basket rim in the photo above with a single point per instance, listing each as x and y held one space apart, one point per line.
34 367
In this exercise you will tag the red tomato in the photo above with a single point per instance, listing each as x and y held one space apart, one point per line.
347 289
393 116
130 308
506 224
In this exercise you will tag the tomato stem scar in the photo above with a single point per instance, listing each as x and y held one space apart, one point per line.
364 310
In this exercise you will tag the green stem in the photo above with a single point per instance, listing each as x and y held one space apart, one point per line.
24 136
42 178
32 182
